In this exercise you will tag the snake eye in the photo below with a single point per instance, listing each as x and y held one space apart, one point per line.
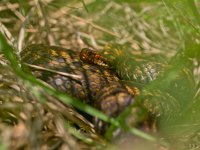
97 56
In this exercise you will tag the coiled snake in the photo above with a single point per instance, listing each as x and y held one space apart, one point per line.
97 85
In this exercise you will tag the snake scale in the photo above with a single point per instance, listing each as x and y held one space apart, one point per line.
97 86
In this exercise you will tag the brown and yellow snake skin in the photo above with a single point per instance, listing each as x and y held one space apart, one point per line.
97 85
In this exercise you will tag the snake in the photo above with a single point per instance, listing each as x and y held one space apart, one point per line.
96 85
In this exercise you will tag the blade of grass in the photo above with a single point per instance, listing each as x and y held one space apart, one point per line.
83 2
194 10
83 137
2 146
122 120
176 22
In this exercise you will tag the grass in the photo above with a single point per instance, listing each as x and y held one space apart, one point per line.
128 34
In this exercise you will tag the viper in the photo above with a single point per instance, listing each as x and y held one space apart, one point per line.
93 83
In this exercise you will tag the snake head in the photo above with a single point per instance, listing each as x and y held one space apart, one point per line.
92 57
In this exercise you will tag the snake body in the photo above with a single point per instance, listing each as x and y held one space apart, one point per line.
97 86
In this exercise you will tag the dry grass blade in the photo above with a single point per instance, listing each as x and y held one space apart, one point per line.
96 26
73 76
7 34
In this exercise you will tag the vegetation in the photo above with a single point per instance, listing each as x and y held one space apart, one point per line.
129 34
